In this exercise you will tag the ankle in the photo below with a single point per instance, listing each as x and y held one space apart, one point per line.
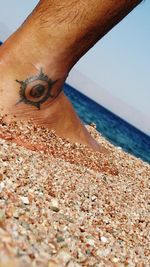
29 60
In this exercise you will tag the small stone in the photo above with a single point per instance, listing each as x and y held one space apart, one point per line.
64 256
104 239
53 263
90 242
88 251
115 260
1 176
41 194
2 215
93 198
103 252
54 209
25 200
92 124
60 239
101 210
16 214
54 202
54 205
81 256
2 186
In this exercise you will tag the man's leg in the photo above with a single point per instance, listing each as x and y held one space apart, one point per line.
35 61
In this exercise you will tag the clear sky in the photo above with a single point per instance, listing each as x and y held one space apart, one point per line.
119 63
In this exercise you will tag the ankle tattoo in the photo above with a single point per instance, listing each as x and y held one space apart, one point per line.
35 90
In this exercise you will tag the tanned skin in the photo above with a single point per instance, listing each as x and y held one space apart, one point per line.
37 58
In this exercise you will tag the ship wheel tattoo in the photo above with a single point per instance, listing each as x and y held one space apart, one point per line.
35 90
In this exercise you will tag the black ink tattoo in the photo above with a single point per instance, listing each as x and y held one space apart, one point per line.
36 90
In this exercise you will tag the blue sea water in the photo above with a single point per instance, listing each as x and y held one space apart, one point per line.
117 131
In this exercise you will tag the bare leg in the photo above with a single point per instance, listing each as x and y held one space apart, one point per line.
35 61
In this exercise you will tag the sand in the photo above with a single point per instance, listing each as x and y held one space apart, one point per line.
63 205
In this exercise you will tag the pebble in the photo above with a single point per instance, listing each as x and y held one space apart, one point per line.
53 208
104 239
54 205
54 202
64 256
69 178
2 186
115 260
91 242
2 215
60 239
1 176
25 200
54 263
16 214
93 198
103 252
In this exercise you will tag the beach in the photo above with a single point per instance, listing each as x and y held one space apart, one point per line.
64 205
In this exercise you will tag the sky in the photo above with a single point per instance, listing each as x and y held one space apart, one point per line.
120 62
116 71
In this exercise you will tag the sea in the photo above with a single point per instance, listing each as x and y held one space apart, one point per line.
113 128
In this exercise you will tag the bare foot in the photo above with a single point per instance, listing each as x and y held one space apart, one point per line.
32 88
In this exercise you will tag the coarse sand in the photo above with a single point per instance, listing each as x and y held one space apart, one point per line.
63 205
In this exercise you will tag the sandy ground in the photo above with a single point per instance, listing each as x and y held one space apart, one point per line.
63 205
